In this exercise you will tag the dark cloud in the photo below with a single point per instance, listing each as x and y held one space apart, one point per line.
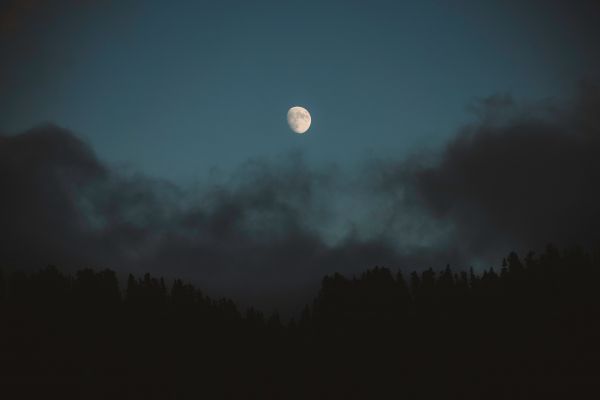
255 236
519 178
42 173
516 179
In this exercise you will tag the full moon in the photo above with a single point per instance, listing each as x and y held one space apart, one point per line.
298 119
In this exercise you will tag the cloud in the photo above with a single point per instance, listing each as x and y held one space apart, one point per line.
255 236
519 177
42 173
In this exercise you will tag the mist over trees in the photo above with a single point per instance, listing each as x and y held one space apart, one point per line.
527 329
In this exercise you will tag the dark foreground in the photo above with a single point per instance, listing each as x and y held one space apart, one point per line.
526 331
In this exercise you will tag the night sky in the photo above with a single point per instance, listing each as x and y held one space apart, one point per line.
152 136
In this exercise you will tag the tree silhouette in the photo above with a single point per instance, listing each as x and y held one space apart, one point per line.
527 330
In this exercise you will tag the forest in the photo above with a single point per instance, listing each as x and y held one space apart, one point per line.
527 329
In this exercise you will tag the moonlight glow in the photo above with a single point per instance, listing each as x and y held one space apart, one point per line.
299 119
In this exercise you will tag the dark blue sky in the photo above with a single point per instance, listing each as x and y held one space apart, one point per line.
195 93
174 88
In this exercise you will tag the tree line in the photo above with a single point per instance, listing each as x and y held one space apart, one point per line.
528 329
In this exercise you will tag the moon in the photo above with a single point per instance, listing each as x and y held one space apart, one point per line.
298 119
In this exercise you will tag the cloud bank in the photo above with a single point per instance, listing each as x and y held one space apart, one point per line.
255 236
519 178
516 178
